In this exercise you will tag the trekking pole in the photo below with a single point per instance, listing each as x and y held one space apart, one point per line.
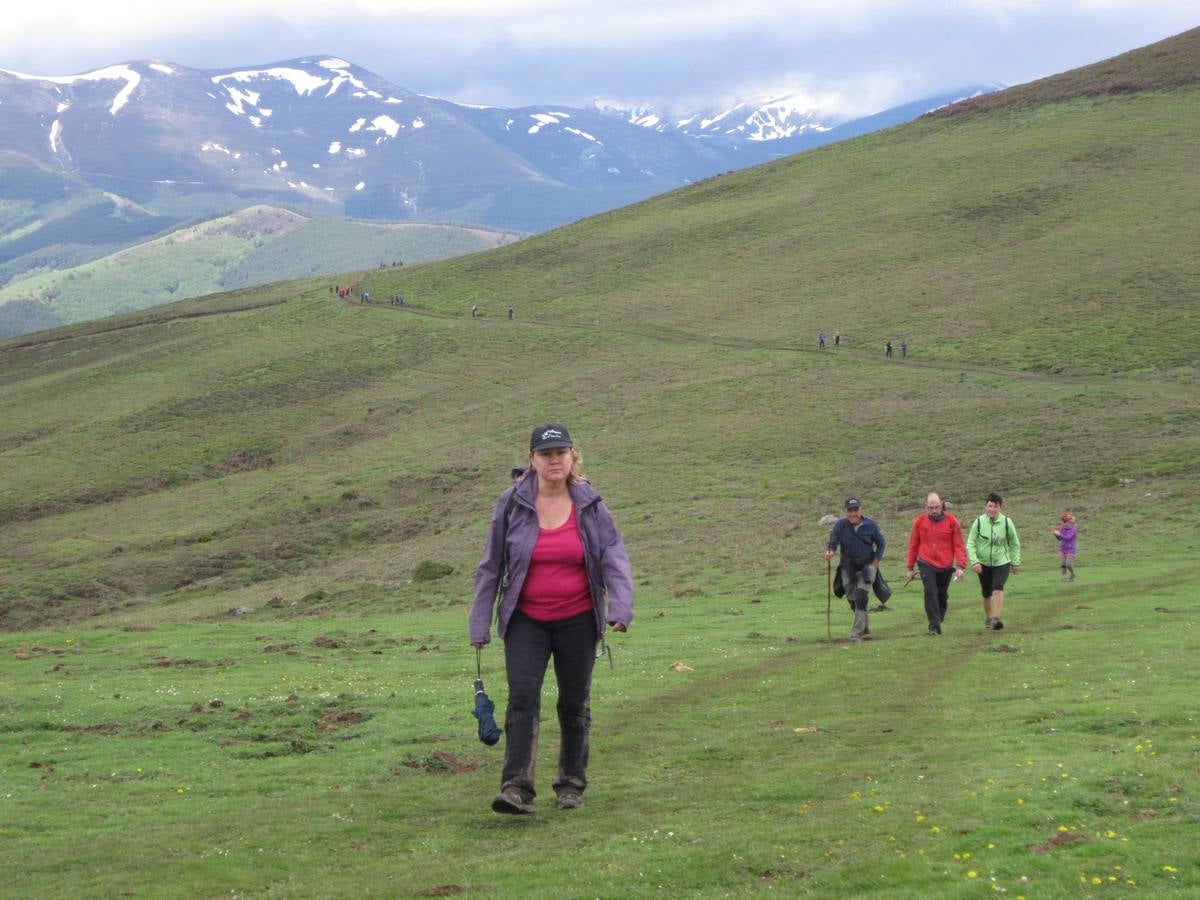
828 599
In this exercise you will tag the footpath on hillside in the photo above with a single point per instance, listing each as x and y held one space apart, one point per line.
734 343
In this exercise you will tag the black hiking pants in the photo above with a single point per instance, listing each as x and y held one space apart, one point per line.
937 591
529 645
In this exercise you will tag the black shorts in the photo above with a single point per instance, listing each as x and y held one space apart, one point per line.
992 578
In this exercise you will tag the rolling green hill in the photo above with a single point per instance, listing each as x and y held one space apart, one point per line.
1049 240
222 484
255 246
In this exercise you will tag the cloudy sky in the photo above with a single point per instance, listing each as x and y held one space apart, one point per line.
845 56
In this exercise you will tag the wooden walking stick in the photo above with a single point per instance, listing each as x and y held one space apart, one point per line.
828 599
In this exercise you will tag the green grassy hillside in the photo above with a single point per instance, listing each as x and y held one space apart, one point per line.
230 500
256 246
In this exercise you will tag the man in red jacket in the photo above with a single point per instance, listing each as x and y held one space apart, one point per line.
936 548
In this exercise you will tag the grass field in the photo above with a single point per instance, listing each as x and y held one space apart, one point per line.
299 757
223 674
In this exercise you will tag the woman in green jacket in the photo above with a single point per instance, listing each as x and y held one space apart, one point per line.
993 550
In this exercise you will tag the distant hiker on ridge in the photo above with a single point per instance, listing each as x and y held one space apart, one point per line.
821 341
888 350
903 349
474 311
510 311
837 339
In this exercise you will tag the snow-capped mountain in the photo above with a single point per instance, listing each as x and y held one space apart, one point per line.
164 140
748 120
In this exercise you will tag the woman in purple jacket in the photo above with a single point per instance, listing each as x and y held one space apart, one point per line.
553 558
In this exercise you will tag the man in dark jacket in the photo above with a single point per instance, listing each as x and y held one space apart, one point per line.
861 541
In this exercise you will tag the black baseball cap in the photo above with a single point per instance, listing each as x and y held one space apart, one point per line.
852 503
546 437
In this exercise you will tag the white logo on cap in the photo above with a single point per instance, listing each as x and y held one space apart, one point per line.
551 432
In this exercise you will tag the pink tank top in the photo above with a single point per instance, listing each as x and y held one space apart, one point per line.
556 585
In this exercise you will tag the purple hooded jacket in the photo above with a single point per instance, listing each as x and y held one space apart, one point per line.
607 564
1066 538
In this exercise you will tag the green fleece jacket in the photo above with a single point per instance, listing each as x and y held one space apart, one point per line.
993 543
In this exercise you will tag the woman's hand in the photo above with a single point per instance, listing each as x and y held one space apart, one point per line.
617 626
478 645
977 568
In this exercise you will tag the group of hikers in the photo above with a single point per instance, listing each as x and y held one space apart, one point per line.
938 555
347 292
555 575
837 343
475 311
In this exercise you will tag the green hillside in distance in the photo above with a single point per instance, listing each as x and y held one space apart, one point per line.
1051 236
255 246
264 450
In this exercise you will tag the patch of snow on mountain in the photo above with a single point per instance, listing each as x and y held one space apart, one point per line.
335 147
239 97
418 123
112 73
646 120
704 123
256 121
544 119
385 123
63 106
339 67
357 126
356 152
159 67
360 185
582 134
393 100
55 132
303 82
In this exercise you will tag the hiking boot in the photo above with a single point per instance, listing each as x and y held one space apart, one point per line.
989 623
997 625
934 630
510 801
1072 578
569 798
